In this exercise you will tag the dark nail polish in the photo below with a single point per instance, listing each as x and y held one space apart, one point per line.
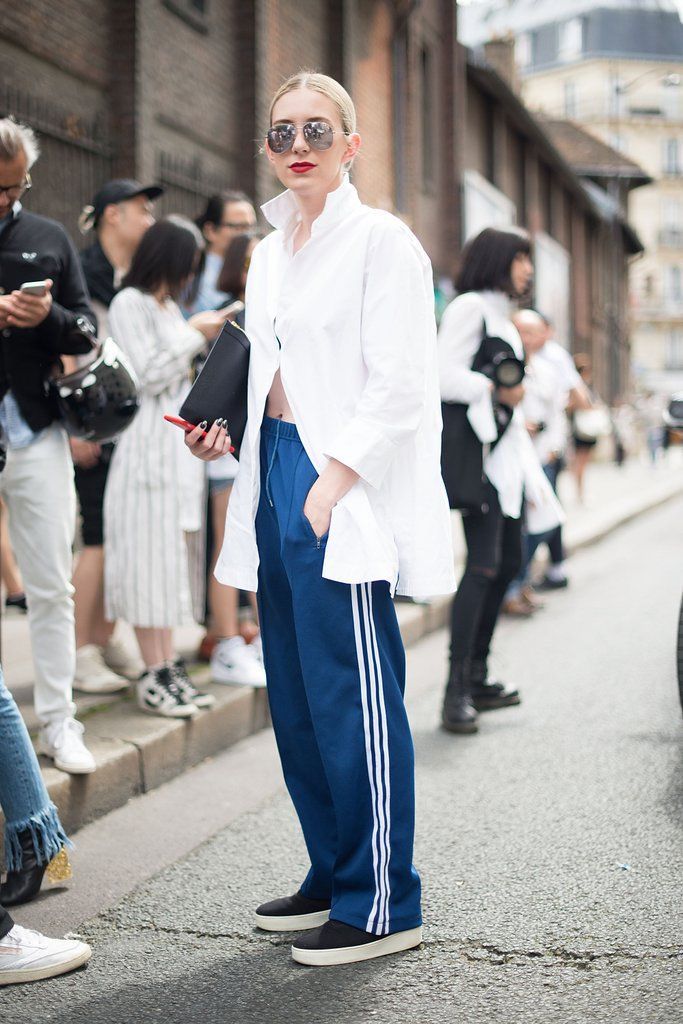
203 425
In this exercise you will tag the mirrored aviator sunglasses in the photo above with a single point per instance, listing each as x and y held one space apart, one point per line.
318 135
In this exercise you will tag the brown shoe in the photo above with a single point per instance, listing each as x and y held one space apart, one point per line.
206 647
528 594
517 607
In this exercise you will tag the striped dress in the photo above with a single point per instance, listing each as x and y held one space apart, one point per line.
153 503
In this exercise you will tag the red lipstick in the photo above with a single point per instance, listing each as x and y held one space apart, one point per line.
301 168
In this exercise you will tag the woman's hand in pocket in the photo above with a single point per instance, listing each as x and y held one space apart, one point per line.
214 445
318 511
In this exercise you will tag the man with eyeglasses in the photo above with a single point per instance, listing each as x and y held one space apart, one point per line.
37 483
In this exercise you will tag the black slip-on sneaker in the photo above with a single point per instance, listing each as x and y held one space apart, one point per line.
337 943
292 914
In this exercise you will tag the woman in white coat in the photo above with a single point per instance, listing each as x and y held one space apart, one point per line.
495 269
338 502
154 492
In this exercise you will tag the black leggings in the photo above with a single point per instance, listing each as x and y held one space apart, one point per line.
494 557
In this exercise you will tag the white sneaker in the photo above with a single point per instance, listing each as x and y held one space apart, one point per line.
120 659
26 955
62 741
92 675
159 694
235 662
257 647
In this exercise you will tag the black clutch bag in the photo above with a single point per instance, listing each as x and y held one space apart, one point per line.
220 390
462 460
462 453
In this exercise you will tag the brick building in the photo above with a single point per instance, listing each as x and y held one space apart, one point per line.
516 170
177 91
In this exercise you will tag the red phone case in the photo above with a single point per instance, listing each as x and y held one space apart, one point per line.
178 422
187 427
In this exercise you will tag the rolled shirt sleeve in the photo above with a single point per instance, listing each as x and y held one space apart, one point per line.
397 325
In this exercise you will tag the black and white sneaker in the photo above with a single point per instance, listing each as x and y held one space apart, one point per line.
158 694
187 687
338 943
292 914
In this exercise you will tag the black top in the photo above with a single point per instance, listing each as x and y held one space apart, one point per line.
33 248
99 274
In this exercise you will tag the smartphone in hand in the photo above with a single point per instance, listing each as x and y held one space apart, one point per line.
187 427
178 422
38 288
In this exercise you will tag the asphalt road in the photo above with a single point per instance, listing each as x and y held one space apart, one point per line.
549 845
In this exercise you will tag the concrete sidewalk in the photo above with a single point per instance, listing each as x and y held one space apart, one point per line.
137 752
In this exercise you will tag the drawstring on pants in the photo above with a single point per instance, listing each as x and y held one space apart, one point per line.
271 463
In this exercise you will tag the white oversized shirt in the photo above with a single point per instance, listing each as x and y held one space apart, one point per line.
512 466
349 322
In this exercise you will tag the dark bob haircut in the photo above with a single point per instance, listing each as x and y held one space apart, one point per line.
166 256
486 260
232 276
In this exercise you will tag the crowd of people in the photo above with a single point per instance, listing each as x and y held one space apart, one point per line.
339 503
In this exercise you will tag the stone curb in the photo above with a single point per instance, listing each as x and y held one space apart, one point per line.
136 753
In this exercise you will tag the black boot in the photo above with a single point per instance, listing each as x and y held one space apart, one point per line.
489 694
23 885
458 714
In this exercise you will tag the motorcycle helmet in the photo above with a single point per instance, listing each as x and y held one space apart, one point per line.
98 401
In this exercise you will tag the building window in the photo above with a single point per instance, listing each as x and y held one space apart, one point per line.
192 12
523 50
671 157
614 95
674 350
570 106
649 286
427 91
674 284
570 39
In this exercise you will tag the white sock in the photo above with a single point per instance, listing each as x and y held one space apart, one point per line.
228 643
556 572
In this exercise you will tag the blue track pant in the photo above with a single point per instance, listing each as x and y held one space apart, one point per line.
336 673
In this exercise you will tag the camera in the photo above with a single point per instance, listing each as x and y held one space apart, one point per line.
496 359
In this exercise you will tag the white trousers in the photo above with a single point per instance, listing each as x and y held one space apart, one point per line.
37 486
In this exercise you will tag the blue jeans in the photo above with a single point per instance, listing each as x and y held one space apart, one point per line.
23 797
531 541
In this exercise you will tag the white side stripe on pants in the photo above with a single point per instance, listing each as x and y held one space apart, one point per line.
376 742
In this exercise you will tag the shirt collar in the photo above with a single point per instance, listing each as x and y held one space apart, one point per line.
14 212
498 301
283 212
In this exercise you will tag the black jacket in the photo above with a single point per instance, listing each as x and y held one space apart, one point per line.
99 274
31 249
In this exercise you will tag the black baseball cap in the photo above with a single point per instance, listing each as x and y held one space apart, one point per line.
118 191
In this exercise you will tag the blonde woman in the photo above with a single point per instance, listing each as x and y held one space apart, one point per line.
338 502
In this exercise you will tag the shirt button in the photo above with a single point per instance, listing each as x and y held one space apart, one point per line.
6 333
